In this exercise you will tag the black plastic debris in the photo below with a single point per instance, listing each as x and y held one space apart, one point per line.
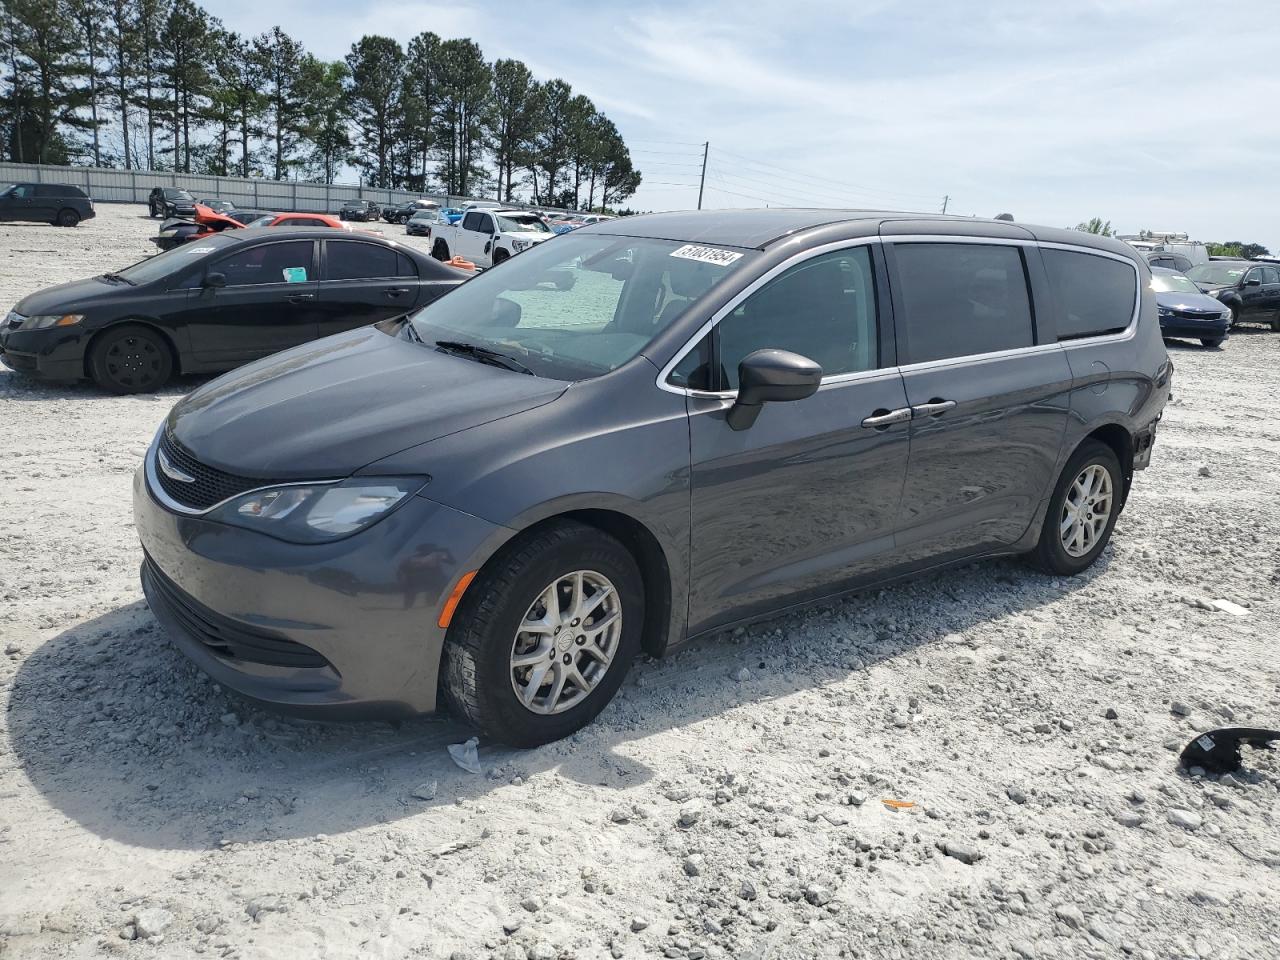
1218 751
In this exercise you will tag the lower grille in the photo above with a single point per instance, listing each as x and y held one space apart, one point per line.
1200 315
224 636
207 486
19 361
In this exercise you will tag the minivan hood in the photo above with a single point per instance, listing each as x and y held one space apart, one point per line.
327 408
68 297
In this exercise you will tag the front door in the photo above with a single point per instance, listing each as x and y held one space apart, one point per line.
16 202
1270 294
269 303
362 283
989 405
803 502
1253 297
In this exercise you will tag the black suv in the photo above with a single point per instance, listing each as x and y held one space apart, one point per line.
60 203
171 202
1251 290
643 431
359 210
402 212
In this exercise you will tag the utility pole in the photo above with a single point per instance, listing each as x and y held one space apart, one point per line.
945 201
706 148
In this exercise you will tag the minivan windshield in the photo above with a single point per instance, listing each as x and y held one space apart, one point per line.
1172 283
1225 274
579 305
172 261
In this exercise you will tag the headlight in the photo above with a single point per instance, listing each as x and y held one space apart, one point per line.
317 513
52 320
1163 311
519 245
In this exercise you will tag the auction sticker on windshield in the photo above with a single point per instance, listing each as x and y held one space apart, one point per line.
714 255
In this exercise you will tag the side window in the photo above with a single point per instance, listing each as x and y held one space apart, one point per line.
1097 293
352 260
962 299
1254 274
823 309
486 223
22 190
471 221
268 263
1270 275
405 267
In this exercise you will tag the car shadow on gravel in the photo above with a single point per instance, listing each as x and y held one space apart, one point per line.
19 388
121 734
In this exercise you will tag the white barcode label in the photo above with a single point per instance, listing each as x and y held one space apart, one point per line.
721 258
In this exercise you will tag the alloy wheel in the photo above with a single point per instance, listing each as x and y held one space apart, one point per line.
566 642
1086 510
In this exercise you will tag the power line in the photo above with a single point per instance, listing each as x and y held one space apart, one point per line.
812 195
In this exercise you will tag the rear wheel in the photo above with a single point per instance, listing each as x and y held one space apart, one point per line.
440 250
1275 325
1211 341
545 635
1082 511
130 359
68 217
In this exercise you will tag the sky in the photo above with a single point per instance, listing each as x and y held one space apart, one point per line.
1152 115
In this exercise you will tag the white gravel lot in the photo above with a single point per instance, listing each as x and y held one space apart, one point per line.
144 812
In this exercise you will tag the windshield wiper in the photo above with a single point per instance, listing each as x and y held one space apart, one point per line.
116 276
484 355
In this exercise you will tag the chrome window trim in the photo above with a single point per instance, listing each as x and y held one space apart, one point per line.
1128 333
157 491
737 299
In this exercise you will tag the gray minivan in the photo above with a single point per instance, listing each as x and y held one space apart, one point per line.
639 432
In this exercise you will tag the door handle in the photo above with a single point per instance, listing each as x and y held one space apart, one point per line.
301 297
933 408
395 291
883 419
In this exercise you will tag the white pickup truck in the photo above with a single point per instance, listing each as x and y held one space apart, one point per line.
487 237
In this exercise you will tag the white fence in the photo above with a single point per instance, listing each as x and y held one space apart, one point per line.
255 193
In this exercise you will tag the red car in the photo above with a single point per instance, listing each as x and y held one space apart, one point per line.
207 221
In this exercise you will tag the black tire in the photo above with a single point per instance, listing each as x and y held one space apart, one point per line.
440 250
477 672
1275 325
1049 554
1235 318
500 256
130 358
1211 342
154 210
68 217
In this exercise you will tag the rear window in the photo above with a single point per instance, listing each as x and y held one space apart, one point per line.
962 299
352 260
58 190
1097 294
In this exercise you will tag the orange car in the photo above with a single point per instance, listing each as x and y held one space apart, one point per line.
207 221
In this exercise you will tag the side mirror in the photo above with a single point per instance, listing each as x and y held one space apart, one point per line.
771 376
1253 282
215 280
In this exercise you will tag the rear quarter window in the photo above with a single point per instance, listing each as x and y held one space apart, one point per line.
1097 294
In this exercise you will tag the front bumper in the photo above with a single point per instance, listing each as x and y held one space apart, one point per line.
345 629
48 354
1194 329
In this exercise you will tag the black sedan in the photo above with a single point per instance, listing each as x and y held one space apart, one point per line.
216 303
1186 312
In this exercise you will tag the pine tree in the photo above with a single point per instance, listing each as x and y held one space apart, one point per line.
376 94
279 59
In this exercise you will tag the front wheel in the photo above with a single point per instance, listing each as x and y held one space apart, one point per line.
1082 511
440 250
545 635
499 256
1211 342
130 359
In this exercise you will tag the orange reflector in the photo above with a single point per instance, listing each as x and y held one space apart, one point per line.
450 605
898 804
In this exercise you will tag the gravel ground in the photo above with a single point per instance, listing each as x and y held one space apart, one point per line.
729 804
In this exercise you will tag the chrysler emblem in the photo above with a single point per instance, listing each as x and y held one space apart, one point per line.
172 472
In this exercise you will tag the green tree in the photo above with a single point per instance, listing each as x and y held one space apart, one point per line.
152 16
582 145
1096 226
122 34
325 116
1237 248
617 176
421 99
511 119
279 60
464 83
47 48
184 39
550 149
376 94
90 17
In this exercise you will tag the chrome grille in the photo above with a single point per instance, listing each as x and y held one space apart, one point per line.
207 486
